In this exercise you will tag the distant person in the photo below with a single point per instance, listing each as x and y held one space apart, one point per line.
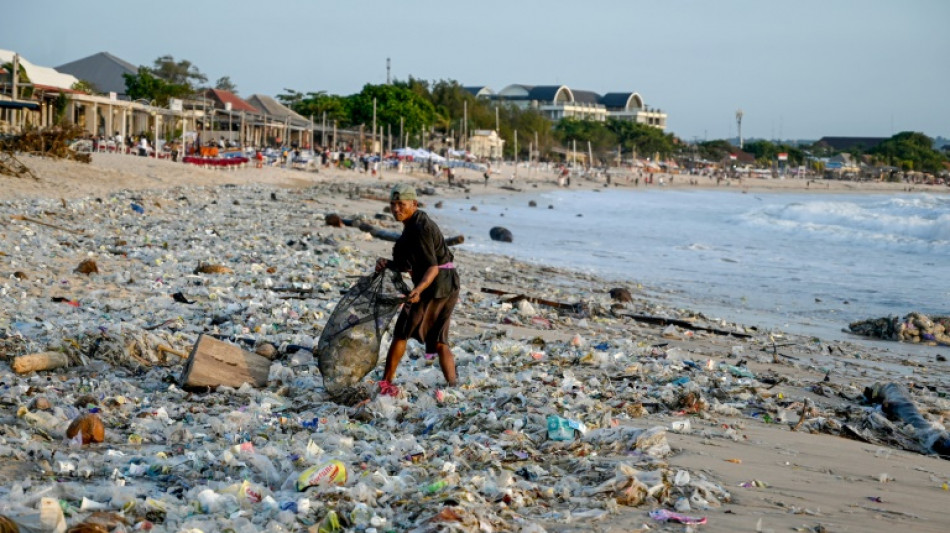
487 176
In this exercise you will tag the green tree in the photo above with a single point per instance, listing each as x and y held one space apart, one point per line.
178 72
530 124
910 151
224 83
415 85
715 150
24 87
290 98
602 140
761 150
145 85
393 102
85 86
316 103
59 109
646 140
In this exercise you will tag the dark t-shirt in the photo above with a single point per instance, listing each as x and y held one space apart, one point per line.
421 246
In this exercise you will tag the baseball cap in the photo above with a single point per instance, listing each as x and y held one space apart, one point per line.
402 191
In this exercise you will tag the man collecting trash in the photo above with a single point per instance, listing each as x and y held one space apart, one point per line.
421 251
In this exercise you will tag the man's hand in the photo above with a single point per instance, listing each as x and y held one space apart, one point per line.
414 295
381 264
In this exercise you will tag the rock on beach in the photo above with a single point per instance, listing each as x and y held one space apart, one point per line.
500 234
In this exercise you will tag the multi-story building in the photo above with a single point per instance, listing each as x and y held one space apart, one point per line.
559 101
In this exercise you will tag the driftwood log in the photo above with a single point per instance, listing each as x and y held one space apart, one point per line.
898 406
392 236
54 226
36 362
685 324
214 363
576 308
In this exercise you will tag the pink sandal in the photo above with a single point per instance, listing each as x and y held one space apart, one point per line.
388 389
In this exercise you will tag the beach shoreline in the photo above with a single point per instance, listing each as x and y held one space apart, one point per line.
66 179
779 475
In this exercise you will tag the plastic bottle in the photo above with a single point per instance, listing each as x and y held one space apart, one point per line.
361 515
435 486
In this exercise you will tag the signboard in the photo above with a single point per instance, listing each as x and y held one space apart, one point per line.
733 157
174 104
783 156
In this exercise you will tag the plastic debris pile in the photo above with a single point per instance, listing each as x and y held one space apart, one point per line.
915 328
541 433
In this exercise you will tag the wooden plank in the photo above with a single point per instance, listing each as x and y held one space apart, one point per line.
213 363
36 362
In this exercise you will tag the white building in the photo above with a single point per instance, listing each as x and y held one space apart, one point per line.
559 101
486 144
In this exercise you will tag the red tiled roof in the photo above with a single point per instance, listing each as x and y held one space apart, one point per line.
237 104
50 88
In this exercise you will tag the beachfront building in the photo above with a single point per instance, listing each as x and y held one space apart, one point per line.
630 106
486 144
34 101
287 123
555 102
103 71
558 102
481 91
28 92
229 117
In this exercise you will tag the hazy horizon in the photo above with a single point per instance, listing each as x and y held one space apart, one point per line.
845 68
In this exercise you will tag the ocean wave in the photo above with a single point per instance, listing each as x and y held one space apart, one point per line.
918 221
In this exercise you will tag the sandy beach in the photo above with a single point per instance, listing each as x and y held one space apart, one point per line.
768 432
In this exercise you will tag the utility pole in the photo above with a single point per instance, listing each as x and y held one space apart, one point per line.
16 78
537 147
374 126
387 71
516 153
739 126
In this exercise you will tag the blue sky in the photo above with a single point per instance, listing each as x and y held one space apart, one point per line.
799 70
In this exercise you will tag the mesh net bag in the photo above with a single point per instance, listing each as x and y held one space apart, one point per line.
348 348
